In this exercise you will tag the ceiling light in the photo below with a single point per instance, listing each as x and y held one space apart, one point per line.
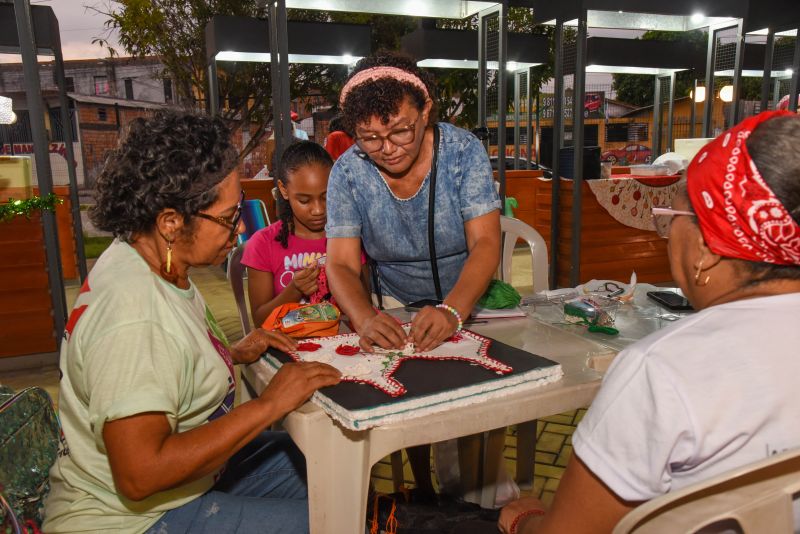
726 93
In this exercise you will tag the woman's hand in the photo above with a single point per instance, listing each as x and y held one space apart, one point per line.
518 514
305 281
382 330
295 382
257 342
431 327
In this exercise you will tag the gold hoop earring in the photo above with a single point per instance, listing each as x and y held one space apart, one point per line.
166 267
697 276
169 257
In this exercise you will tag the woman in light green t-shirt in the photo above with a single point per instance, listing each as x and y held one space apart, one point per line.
152 441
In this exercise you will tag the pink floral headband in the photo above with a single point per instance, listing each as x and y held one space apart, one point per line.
376 73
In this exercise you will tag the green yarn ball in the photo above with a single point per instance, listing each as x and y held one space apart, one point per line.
499 296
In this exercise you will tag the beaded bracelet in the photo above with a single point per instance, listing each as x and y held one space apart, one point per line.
455 313
520 517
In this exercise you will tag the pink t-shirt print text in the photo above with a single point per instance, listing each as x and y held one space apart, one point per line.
262 252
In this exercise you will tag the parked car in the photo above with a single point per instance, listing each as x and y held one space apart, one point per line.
628 155
591 103
509 163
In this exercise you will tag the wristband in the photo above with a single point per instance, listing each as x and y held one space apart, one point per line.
455 314
520 517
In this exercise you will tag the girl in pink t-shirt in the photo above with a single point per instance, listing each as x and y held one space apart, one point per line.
283 259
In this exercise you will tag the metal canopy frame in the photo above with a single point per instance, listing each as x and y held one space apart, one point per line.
446 48
237 38
450 9
454 9
498 13
675 15
776 18
35 31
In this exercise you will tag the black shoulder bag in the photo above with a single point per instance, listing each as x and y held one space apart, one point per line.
431 240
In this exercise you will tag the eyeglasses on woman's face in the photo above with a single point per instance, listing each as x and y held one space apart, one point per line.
662 218
231 222
402 136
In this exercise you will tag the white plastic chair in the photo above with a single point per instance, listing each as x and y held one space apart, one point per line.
757 496
512 230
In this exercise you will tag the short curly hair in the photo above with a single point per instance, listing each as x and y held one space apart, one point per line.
172 159
383 97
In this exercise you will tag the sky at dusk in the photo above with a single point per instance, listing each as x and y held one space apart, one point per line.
78 25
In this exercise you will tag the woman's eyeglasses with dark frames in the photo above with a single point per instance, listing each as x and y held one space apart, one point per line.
400 137
231 222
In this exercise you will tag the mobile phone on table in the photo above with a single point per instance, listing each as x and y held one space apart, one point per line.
670 300
418 305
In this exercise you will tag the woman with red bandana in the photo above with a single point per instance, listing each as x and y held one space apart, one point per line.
716 390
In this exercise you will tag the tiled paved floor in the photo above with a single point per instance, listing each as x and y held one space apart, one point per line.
554 443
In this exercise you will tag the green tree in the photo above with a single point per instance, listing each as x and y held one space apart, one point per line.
174 31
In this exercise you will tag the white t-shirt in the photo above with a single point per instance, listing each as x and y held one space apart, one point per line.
714 391
134 343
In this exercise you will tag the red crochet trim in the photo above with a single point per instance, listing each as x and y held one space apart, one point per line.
308 346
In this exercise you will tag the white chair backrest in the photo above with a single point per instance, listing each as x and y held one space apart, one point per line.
758 496
512 229
236 272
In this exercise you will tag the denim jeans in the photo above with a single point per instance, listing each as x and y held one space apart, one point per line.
263 489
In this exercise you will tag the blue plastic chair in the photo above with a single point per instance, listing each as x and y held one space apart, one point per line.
255 217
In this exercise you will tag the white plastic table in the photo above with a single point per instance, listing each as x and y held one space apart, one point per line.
634 320
339 461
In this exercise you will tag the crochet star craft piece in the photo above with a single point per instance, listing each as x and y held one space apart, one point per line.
376 369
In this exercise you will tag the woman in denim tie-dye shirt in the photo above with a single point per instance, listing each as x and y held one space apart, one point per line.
378 194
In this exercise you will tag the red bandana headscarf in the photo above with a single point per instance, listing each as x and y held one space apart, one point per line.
738 213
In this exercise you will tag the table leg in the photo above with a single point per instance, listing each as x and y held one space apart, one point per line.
469 464
338 468
492 463
526 451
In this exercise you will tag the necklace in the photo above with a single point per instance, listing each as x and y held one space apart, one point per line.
407 199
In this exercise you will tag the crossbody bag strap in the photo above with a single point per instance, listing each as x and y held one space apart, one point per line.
431 215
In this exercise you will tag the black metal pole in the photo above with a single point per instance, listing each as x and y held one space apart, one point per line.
66 127
538 126
577 143
213 88
482 80
708 108
767 80
502 104
670 112
657 118
558 110
737 73
793 86
33 94
279 72
517 96
693 110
